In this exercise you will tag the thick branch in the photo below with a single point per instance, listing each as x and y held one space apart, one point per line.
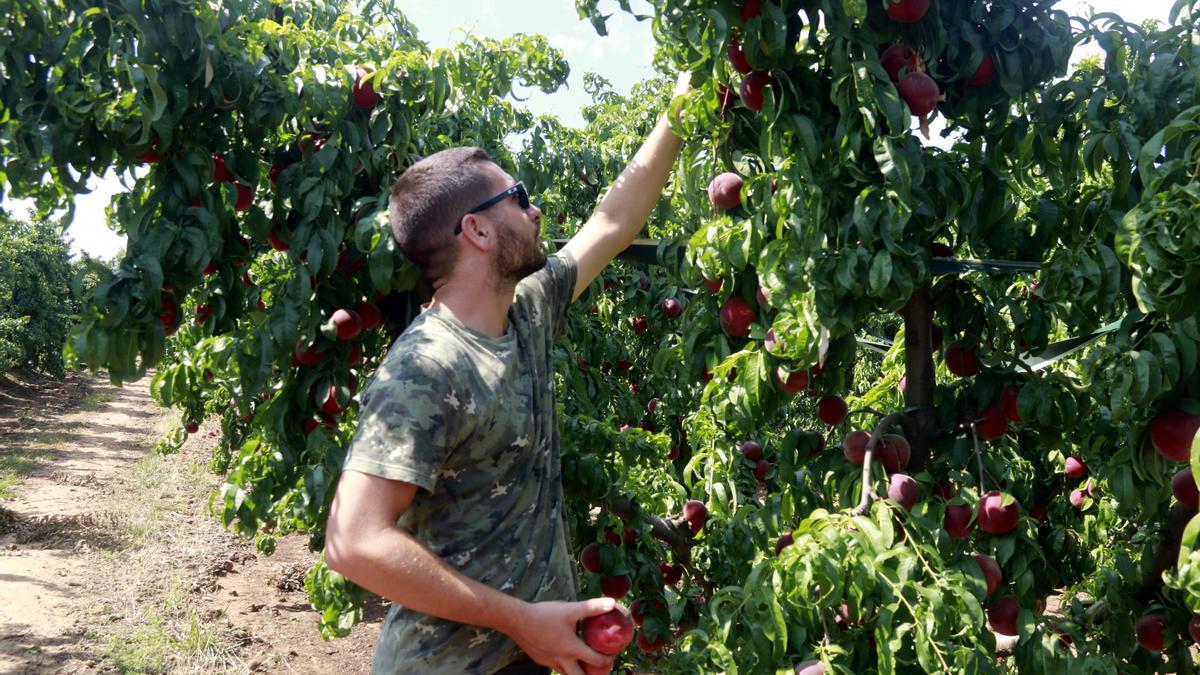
919 376
880 429
674 533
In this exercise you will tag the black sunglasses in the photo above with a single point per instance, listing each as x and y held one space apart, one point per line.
517 190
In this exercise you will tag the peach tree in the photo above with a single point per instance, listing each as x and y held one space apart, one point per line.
1012 488
765 490
258 140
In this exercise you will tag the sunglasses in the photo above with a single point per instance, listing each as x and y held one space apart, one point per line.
517 190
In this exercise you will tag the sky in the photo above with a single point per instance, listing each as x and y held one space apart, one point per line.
623 57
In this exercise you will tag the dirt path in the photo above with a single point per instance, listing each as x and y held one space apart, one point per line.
109 560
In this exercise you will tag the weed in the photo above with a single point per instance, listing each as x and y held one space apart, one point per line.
95 401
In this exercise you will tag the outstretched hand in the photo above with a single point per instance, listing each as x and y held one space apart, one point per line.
546 633
683 84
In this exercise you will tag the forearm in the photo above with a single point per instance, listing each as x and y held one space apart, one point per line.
393 564
633 195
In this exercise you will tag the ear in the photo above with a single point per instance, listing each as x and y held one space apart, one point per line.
477 231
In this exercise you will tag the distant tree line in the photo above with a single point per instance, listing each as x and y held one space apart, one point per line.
42 291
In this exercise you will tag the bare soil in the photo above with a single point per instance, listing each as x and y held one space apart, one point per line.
111 562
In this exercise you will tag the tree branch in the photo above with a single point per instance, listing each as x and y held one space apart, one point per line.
675 534
919 374
1165 554
884 424
864 409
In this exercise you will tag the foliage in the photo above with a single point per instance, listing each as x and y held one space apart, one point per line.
1090 172
37 298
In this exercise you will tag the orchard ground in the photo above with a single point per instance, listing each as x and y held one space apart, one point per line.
110 561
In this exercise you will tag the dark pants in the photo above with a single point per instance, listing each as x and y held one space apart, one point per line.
523 666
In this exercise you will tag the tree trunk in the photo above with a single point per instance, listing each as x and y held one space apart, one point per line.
919 377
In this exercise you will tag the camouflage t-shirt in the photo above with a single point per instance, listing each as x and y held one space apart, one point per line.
471 421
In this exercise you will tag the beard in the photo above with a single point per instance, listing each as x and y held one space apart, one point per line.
518 257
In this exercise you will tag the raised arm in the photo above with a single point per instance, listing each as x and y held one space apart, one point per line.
364 544
624 210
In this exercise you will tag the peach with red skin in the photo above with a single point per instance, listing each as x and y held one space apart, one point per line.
276 243
854 447
962 360
696 513
985 73
609 633
1009 400
1150 632
1075 468
1172 432
646 645
736 316
761 468
363 91
245 197
308 354
903 490
785 540
752 88
331 406
994 517
671 574
617 586
992 575
791 383
991 423
672 307
725 190
1183 486
751 450
589 558
832 410
369 314
221 173
894 452
1077 497
957 521
1002 615
907 11
737 57
896 58
348 323
920 92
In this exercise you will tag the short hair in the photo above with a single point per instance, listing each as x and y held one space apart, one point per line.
429 199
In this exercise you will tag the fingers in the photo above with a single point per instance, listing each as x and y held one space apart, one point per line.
683 83
592 657
569 668
594 606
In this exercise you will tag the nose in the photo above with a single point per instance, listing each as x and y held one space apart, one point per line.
537 215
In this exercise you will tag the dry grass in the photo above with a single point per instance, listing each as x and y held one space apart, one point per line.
151 586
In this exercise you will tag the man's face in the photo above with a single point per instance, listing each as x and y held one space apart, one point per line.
518 250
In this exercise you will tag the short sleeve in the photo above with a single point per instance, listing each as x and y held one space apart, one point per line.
552 287
409 416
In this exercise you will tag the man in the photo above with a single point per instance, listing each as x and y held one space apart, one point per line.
451 501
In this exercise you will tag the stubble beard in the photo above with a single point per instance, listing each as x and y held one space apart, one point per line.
519 258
